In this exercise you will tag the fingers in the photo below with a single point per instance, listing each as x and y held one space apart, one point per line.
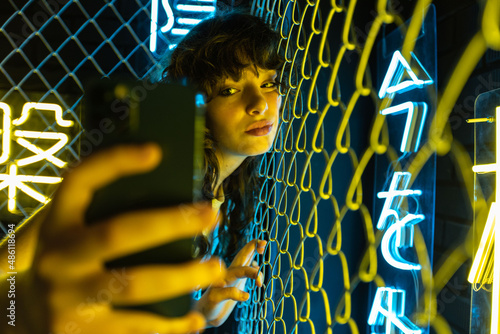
234 274
148 284
139 284
218 295
99 169
246 254
260 279
261 246
72 248
156 227
95 319
193 322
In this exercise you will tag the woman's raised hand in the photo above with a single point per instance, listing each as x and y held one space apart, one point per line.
67 289
219 300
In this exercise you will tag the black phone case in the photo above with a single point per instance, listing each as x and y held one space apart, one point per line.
173 116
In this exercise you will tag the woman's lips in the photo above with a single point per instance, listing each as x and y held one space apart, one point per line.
260 131
260 128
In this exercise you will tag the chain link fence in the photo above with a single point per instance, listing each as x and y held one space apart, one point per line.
49 49
316 204
316 207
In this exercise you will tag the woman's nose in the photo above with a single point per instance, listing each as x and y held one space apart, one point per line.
256 103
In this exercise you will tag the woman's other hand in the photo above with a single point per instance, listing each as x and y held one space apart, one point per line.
67 289
219 300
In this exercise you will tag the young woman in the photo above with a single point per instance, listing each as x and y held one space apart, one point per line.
234 60
62 285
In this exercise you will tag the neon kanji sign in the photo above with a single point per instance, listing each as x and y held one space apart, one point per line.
388 308
388 312
35 143
170 20
417 111
399 233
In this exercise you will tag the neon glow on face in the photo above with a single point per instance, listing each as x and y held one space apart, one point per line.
239 107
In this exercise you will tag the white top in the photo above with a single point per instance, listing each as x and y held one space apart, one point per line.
212 234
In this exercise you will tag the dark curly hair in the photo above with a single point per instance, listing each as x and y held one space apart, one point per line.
218 48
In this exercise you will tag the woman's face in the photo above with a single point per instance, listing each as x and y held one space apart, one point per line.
243 115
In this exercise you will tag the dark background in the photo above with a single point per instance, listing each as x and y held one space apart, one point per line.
457 22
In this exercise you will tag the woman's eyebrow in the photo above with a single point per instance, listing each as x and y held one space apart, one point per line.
271 77
229 80
269 74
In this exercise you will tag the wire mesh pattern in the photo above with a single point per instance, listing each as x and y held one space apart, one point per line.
314 191
49 48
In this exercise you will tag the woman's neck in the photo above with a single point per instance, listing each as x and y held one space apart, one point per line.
228 163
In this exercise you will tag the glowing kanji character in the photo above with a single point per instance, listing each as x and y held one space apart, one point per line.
13 181
393 84
400 235
154 22
195 14
388 311
41 154
417 111
397 189
399 231
5 131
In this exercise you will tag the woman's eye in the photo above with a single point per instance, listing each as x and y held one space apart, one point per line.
228 91
271 84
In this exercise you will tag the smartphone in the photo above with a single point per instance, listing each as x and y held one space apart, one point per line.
131 111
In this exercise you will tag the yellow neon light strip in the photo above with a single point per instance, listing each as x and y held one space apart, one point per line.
488 168
495 295
479 272
42 106
5 132
481 267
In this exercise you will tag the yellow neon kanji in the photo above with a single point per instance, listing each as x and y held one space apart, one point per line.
14 181
5 132
41 154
